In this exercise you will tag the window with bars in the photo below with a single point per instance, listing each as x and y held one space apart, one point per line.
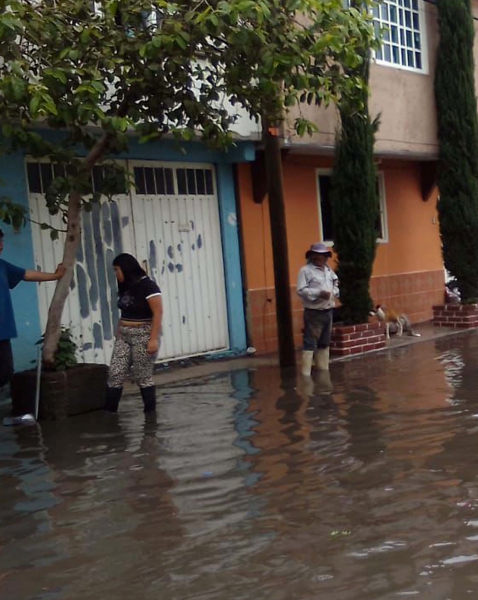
104 177
167 181
325 207
401 23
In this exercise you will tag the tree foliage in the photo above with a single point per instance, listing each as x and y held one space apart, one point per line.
78 81
355 200
458 138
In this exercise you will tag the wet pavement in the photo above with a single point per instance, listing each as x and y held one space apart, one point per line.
253 486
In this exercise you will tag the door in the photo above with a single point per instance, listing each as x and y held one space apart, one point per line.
178 239
170 222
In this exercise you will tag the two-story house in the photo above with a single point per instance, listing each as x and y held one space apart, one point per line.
408 273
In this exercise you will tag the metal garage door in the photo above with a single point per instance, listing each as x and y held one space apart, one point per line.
170 222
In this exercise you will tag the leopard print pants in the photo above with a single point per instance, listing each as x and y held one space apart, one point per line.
130 352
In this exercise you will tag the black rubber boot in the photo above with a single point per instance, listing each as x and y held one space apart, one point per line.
149 398
112 399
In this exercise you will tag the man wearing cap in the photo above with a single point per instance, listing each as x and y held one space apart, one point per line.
317 287
10 277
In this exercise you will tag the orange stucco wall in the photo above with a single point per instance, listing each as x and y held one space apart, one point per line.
408 271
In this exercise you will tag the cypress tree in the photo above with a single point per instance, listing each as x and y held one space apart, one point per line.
458 138
355 202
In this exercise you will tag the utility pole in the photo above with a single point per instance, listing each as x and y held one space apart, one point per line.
275 189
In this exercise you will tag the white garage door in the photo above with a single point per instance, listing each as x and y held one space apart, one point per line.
170 222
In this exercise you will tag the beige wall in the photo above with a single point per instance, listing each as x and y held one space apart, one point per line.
404 99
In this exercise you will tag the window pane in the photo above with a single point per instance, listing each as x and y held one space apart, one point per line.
191 176
378 222
201 181
160 185
139 180
59 171
98 178
46 175
209 182
182 189
34 179
168 173
326 208
149 178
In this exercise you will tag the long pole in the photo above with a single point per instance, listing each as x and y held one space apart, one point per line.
273 163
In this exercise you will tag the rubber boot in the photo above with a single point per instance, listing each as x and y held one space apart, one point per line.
307 358
149 398
323 383
322 359
305 387
112 399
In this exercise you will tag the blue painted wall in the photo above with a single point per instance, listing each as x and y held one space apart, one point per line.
19 250
19 247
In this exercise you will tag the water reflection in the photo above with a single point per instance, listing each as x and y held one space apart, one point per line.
256 484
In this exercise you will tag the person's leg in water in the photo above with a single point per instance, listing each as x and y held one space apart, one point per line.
118 371
143 365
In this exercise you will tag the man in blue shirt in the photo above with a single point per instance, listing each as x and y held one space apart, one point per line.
10 276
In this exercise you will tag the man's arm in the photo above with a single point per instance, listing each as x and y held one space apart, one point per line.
41 276
303 289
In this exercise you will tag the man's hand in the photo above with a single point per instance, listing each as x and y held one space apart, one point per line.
60 271
153 347
324 295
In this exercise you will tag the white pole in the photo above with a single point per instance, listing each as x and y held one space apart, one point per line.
38 382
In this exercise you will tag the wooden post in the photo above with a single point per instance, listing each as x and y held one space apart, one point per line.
273 164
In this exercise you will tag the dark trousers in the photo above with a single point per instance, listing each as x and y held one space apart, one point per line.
317 328
6 362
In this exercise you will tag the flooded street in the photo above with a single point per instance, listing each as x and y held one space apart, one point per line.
250 487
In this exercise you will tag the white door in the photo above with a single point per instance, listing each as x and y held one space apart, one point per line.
170 222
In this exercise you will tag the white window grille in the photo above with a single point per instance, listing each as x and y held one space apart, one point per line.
402 23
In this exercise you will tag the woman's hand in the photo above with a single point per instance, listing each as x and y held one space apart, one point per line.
60 271
153 347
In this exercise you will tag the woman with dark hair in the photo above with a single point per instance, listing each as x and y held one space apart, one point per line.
137 338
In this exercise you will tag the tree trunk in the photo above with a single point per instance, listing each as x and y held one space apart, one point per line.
73 236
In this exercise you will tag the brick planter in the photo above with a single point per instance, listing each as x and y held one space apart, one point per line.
459 316
78 390
349 340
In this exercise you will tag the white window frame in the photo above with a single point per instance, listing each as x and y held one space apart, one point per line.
423 41
382 205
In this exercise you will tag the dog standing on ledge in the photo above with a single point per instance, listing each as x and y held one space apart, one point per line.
397 322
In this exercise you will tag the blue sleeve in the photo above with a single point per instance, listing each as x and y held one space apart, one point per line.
14 275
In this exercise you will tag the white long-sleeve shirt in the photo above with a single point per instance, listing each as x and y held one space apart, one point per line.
313 280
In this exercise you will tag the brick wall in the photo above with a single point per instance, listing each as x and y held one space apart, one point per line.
355 339
458 316
412 293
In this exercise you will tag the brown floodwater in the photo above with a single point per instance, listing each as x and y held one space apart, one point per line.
254 486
